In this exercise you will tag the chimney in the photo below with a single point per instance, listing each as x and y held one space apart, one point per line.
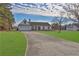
29 20
25 21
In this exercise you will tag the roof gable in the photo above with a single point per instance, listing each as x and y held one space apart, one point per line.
24 22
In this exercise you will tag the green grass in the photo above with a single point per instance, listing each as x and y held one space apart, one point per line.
12 44
68 35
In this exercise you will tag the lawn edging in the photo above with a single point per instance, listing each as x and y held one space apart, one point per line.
26 50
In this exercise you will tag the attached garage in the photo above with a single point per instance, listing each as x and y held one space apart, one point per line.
24 26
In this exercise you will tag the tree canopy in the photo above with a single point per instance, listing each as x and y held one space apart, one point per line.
6 15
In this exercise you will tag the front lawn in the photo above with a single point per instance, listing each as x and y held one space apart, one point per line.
12 44
68 35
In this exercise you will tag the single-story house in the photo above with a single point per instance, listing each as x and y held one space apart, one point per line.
74 27
29 26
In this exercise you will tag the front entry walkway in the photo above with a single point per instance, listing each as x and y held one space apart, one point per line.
43 45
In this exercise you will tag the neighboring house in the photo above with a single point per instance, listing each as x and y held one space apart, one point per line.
28 26
74 27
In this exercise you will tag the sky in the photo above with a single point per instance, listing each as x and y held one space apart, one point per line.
34 18
20 13
37 12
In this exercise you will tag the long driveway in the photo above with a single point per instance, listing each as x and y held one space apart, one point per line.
43 45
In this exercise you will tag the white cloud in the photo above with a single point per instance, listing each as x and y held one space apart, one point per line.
38 10
34 11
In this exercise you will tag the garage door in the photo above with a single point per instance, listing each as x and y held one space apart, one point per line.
24 28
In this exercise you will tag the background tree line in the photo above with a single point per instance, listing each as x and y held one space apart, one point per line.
71 10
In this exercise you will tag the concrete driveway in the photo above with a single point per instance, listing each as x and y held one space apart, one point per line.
43 45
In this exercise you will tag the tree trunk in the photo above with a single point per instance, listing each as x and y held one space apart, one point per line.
60 25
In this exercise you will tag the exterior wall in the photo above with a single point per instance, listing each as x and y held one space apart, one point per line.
41 27
74 28
46 27
35 27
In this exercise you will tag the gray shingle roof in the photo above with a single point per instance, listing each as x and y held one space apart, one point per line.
34 23
40 23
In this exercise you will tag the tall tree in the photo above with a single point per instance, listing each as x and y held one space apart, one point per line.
60 18
72 9
6 16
